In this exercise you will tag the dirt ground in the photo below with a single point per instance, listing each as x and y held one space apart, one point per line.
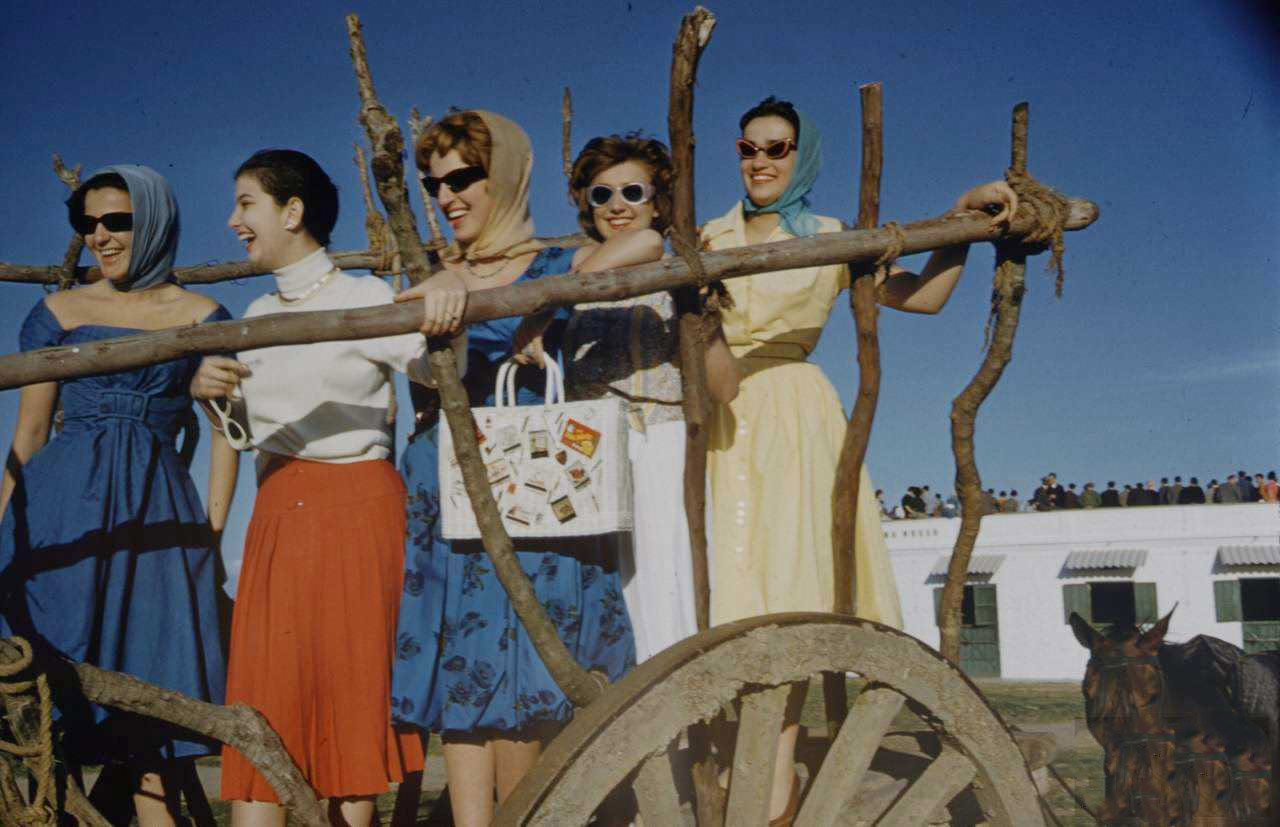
1053 707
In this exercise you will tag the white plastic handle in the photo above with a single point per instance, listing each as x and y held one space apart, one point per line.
504 387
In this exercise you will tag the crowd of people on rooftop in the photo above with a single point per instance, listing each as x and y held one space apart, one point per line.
1241 487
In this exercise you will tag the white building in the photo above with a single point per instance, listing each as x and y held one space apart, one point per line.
1219 563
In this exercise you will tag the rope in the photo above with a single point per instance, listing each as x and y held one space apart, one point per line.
892 250
1050 210
716 297
38 756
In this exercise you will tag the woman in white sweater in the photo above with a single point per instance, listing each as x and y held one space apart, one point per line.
313 630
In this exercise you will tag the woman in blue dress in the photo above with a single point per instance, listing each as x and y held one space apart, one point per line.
106 554
465 665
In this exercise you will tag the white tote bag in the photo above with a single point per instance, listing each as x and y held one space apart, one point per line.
558 469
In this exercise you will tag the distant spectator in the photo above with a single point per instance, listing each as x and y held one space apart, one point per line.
1163 498
884 512
1111 497
1071 499
1056 487
1141 495
1089 497
1193 494
1212 494
1245 486
912 504
1001 499
936 510
1013 503
1229 491
1046 499
1153 493
1270 489
1124 495
951 506
1259 482
1175 492
989 505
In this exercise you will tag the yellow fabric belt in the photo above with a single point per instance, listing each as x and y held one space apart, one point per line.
789 351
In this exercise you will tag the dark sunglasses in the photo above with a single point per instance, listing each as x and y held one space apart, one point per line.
775 150
456 181
115 222
635 193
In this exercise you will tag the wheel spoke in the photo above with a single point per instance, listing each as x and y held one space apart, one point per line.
754 756
655 789
849 757
950 773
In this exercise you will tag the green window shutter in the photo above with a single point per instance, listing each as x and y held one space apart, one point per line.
984 605
937 606
1226 600
1075 598
1145 607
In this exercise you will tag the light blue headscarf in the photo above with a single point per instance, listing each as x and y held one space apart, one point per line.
793 205
155 226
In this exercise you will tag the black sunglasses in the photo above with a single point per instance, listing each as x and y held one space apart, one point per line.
456 181
115 222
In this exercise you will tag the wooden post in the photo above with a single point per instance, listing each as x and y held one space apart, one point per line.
70 177
844 496
566 132
385 138
1010 284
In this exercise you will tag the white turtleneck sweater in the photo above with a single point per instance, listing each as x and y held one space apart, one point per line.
327 401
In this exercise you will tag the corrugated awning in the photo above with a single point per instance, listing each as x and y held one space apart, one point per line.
1111 558
978 564
1249 555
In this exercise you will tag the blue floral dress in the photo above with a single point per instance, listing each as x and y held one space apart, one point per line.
105 550
464 661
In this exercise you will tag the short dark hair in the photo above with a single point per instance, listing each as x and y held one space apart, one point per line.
102 181
1177 479
1164 480
772 106
610 150
288 173
1195 481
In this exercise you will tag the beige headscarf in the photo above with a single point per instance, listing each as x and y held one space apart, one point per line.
508 231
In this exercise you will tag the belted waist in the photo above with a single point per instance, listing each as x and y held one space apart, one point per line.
789 351
84 408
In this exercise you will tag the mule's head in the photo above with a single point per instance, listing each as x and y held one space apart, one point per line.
1123 684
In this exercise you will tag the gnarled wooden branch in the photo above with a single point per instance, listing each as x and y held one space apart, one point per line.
384 136
566 132
418 125
67 273
237 725
854 246
691 40
1010 284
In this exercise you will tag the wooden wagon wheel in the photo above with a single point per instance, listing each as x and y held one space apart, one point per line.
754 660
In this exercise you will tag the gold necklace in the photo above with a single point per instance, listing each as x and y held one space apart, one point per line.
309 292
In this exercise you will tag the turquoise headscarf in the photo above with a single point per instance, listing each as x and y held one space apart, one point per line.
793 205
155 225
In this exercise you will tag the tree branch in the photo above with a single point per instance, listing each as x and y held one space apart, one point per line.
384 135
854 246
238 726
1010 284
566 132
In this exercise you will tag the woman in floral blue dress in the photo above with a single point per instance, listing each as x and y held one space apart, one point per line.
466 667
106 553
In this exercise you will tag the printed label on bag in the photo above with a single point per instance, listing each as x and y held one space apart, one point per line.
563 509
540 481
498 470
519 514
580 438
578 475
539 444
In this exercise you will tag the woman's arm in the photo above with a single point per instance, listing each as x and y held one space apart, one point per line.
224 467
723 375
623 250
930 290
35 416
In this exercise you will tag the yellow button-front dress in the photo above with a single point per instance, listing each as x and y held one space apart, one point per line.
774 449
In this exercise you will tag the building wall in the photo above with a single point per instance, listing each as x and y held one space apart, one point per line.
1035 641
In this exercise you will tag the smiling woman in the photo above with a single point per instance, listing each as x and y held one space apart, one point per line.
125 572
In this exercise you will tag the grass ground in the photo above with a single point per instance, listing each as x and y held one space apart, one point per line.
1053 707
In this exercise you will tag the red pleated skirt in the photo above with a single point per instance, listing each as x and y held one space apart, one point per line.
313 634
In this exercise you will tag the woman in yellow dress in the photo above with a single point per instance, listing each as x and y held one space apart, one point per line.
773 449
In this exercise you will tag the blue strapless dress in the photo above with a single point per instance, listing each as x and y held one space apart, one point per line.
105 550
464 661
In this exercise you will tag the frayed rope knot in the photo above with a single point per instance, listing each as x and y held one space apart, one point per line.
39 756
893 249
1050 210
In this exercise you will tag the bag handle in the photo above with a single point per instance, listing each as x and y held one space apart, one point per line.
504 387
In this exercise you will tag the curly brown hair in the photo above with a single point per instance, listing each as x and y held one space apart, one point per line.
464 131
610 150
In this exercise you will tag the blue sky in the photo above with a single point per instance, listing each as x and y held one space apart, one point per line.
1160 358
